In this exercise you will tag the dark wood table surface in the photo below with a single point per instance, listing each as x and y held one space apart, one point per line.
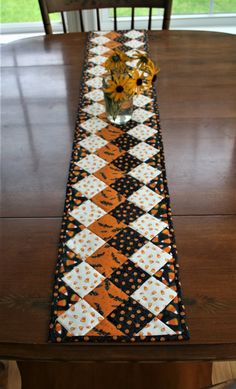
197 99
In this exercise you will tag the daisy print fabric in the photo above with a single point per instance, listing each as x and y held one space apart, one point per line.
117 274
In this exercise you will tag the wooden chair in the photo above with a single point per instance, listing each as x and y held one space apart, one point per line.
51 6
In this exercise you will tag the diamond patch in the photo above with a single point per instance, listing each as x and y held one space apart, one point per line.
95 95
94 109
150 258
98 59
97 70
93 143
133 34
143 151
91 163
100 40
156 328
142 132
90 186
95 82
141 115
134 44
145 198
141 100
144 173
148 226
85 243
99 50
93 125
87 213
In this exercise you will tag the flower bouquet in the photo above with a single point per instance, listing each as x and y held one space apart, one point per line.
123 81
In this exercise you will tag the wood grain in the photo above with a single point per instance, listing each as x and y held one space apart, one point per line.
196 93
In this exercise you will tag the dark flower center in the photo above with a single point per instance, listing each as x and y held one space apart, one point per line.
116 58
139 81
119 89
154 78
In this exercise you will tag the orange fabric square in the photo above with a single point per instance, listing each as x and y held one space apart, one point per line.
106 227
109 174
106 297
109 152
112 35
106 259
105 328
112 44
110 133
108 199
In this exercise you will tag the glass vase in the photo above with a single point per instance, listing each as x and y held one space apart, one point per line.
118 112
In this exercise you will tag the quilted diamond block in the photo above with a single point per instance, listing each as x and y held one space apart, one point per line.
134 44
156 328
127 241
126 212
93 125
143 151
128 277
108 199
109 174
110 133
91 163
154 295
80 318
150 258
93 143
106 297
87 213
106 259
130 317
141 100
99 50
94 109
142 132
109 152
83 278
90 186
126 185
95 95
125 142
100 40
106 227
144 173
98 59
145 198
97 70
148 226
95 82
126 162
141 115
133 34
85 243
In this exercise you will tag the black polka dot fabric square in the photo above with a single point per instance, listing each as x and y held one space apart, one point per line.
125 142
130 317
126 185
127 212
126 162
128 241
129 277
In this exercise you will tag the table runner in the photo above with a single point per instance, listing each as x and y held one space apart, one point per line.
117 273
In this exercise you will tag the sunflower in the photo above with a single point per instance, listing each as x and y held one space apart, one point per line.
136 83
117 87
116 61
152 71
142 58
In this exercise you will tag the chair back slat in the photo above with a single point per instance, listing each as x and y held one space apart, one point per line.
132 18
98 20
115 19
81 20
63 22
52 6
150 19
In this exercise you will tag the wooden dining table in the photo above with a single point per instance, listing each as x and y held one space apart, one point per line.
197 99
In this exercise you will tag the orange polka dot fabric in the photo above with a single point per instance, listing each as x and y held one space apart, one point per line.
117 275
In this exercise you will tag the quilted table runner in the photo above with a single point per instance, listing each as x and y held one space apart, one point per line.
116 274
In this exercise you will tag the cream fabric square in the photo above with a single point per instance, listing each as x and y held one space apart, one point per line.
93 143
83 278
87 213
95 95
154 295
143 151
144 173
141 115
80 318
145 198
93 125
156 327
85 243
94 109
95 82
134 44
133 34
99 50
150 258
141 100
148 225
142 132
100 40
98 59
97 70
90 186
91 163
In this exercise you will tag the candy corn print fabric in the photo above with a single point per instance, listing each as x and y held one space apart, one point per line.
117 273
